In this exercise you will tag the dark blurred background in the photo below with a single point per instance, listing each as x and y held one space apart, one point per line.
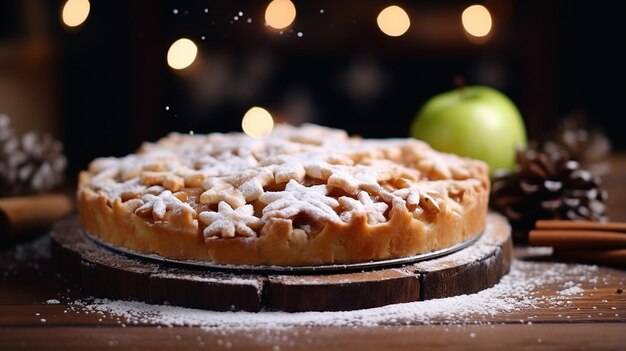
104 86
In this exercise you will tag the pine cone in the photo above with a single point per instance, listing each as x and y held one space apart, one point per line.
547 185
32 163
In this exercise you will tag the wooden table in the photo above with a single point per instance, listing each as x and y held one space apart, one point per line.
595 318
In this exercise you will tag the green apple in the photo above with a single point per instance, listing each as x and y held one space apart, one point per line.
473 121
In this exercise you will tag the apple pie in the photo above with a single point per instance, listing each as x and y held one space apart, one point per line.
307 195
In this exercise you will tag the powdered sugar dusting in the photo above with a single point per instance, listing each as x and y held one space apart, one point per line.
571 289
515 292
237 169
470 254
533 292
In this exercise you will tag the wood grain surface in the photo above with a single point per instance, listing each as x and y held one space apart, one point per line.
594 319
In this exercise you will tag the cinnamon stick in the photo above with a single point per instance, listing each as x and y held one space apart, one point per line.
587 241
613 257
577 239
555 224
22 215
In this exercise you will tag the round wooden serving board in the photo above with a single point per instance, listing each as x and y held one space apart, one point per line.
105 273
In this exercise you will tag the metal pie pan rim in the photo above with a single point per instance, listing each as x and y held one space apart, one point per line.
367 265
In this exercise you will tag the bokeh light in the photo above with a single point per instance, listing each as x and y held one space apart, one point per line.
182 53
280 14
75 12
476 20
393 21
257 122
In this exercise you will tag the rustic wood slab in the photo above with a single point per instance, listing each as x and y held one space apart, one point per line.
106 273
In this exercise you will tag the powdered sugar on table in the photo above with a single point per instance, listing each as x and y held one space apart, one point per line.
516 292
519 297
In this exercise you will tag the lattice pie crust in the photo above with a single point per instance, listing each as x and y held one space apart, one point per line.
304 195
